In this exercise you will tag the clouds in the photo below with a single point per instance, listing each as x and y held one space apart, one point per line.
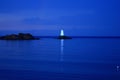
44 16
53 19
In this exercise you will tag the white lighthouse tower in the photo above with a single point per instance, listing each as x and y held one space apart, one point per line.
62 35
62 32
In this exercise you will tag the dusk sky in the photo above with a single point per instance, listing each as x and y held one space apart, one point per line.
47 17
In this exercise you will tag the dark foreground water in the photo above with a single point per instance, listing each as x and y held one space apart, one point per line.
52 59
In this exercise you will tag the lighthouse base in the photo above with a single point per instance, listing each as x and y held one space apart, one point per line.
64 37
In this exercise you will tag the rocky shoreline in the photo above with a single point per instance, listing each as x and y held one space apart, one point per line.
19 36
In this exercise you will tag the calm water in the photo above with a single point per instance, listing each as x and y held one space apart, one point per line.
52 59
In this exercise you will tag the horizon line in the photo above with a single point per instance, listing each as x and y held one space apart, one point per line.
82 36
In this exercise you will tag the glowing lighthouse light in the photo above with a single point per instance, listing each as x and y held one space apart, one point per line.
62 33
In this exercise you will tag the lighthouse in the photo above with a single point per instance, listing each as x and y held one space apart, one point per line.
62 32
62 36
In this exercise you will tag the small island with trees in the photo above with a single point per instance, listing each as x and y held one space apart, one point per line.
19 36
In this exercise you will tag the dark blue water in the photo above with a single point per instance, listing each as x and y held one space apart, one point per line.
52 59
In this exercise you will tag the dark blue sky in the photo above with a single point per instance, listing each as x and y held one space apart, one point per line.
47 17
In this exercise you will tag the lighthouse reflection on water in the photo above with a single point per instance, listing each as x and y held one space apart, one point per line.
62 46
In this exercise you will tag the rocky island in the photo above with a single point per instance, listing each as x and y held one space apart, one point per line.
64 37
19 36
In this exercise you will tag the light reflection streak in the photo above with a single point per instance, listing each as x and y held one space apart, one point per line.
62 50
